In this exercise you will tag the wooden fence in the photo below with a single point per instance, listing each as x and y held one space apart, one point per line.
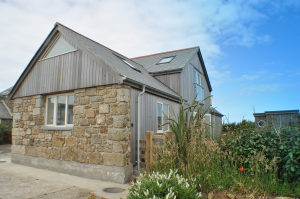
147 151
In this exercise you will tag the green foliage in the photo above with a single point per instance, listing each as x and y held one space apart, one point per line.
248 166
183 124
229 127
164 186
280 145
3 130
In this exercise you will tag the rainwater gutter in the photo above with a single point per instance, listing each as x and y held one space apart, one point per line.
139 125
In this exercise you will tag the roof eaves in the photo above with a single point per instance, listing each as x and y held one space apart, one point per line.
28 67
204 70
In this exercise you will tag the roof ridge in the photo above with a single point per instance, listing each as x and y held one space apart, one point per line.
165 52
96 42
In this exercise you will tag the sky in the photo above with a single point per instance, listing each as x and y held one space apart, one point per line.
251 48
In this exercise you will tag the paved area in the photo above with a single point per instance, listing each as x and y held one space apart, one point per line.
18 181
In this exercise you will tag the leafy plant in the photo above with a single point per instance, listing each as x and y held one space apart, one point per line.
3 130
165 186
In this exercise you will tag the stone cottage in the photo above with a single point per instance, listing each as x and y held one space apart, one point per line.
81 108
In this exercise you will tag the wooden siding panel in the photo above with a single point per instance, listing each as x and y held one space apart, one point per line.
148 116
187 81
172 81
65 72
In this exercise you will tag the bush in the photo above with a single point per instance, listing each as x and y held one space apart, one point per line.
280 144
159 185
3 130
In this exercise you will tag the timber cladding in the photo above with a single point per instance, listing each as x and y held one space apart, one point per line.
100 135
70 71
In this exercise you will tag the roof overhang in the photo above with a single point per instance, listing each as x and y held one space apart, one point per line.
204 70
276 112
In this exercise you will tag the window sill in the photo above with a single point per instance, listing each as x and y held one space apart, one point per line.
56 128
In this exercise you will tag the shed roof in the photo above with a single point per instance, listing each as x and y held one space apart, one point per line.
277 112
113 61
4 114
182 57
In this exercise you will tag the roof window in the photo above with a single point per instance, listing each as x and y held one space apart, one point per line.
166 60
126 62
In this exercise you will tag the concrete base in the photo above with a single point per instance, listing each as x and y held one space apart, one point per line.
98 172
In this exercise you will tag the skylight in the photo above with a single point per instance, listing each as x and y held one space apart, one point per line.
166 60
126 62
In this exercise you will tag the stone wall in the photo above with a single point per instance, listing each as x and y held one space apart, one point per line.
101 132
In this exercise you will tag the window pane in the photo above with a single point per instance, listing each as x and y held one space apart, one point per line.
61 110
50 110
198 79
70 109
166 113
159 116
195 77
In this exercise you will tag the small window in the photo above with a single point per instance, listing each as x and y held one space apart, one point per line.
59 110
166 60
59 47
199 90
126 62
162 115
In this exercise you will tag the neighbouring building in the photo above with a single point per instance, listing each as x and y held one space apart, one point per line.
80 108
276 118
6 106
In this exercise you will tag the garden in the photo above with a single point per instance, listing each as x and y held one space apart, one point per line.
242 162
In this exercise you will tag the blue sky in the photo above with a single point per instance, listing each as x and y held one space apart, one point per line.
251 48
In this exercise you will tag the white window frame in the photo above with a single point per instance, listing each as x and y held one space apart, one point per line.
199 78
198 81
55 110
162 103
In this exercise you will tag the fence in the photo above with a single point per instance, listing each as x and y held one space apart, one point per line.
147 151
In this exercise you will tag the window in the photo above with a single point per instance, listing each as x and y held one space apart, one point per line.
199 90
126 62
166 60
59 110
162 114
59 47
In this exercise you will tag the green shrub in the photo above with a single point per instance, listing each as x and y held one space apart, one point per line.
3 130
281 144
159 185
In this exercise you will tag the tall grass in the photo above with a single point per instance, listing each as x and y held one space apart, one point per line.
195 156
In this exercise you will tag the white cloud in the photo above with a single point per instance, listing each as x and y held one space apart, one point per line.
130 27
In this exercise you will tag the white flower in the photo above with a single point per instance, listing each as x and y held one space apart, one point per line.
146 192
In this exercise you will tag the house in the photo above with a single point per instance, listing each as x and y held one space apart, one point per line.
6 108
276 118
80 108
214 119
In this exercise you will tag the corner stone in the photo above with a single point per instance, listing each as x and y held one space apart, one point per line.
114 159
17 149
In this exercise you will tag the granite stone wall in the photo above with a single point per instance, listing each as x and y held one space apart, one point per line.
100 135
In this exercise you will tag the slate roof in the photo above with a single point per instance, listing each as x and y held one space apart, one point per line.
108 56
6 92
182 57
4 112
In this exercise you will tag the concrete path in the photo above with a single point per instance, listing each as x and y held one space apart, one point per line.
18 181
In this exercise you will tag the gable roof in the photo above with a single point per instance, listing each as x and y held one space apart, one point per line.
6 92
182 57
110 59
4 113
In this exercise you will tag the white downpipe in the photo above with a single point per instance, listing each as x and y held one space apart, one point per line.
139 125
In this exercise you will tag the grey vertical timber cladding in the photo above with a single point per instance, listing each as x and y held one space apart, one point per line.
148 116
78 69
172 81
187 81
